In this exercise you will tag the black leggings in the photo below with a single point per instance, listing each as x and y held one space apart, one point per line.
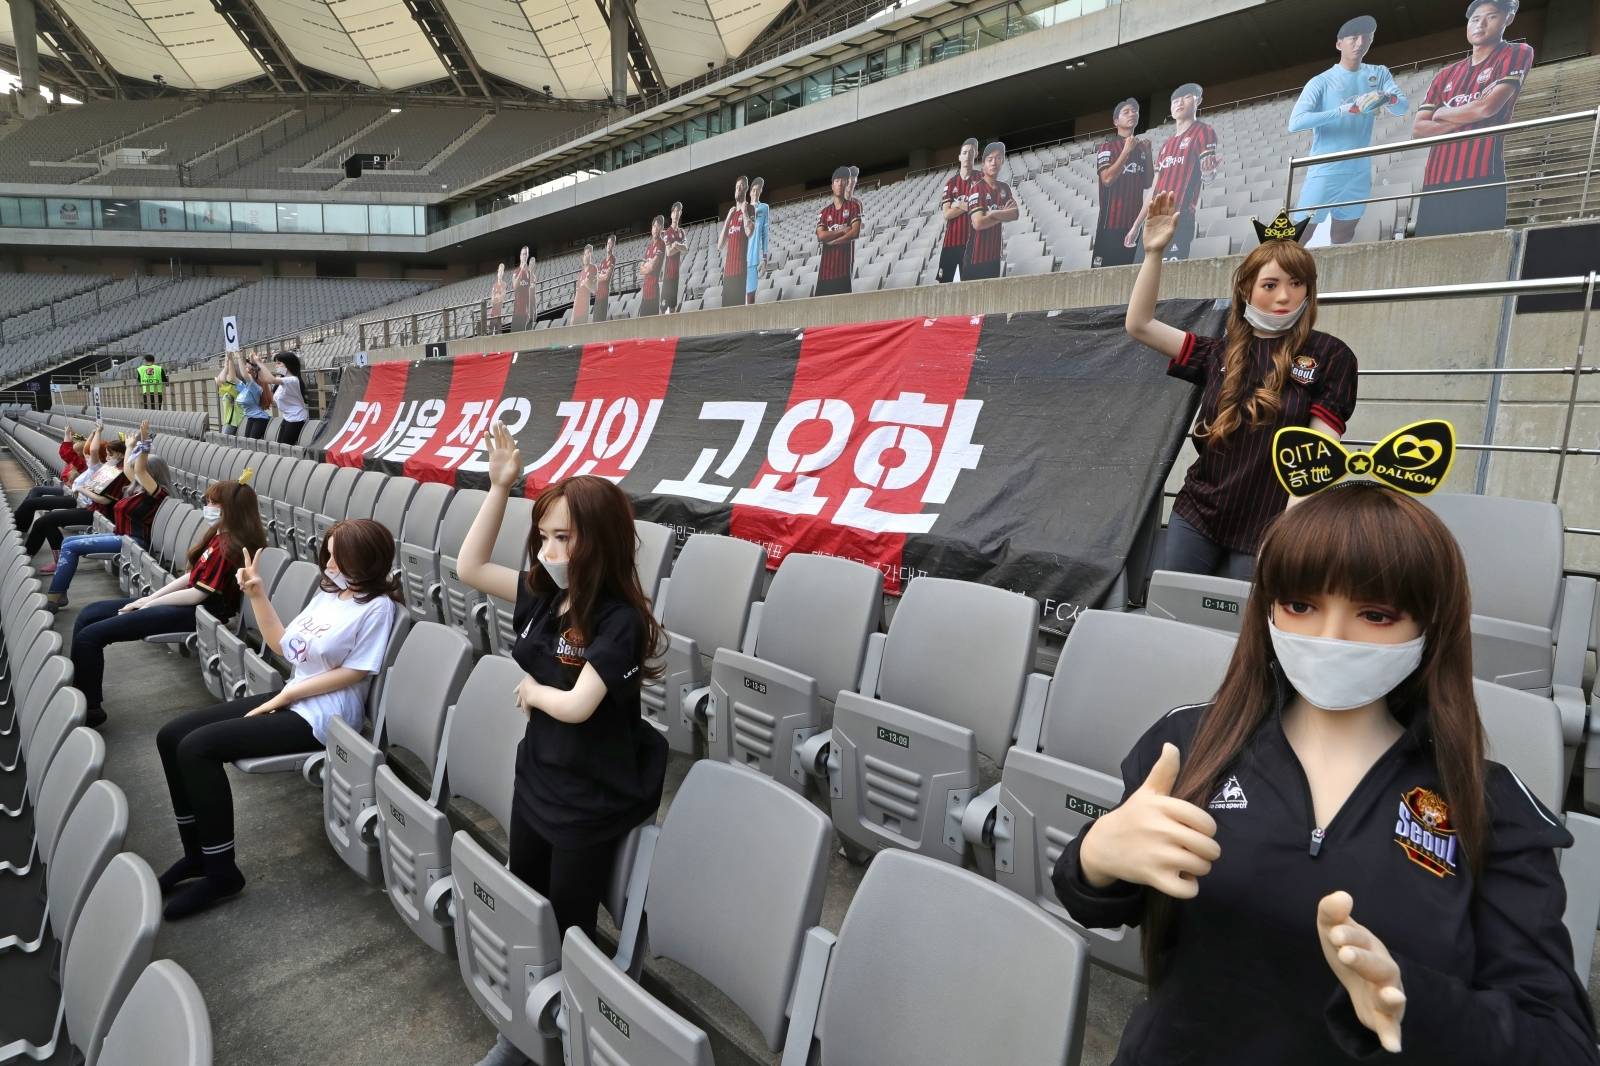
48 526
574 880
256 428
196 748
43 498
289 432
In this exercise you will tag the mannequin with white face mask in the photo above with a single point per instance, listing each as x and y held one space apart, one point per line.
590 768
1269 369
1277 843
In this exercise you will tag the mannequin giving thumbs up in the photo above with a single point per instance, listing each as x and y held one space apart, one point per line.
1152 839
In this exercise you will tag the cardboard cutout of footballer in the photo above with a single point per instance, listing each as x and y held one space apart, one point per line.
1186 161
1340 107
955 207
1125 168
1481 90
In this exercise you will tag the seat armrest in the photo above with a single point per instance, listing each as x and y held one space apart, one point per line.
805 999
1573 626
816 755
1030 722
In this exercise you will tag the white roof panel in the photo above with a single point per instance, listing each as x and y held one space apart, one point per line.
185 41
686 35
10 38
375 42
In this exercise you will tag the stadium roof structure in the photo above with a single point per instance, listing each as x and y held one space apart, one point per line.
475 49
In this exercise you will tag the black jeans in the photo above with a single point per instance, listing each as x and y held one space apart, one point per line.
43 498
47 527
574 880
99 624
1190 551
289 432
256 428
196 748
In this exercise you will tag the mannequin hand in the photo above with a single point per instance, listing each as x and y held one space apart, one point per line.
525 693
1161 223
1365 968
248 576
137 604
1152 839
272 706
505 461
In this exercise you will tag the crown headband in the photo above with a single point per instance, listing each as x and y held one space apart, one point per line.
1414 459
1280 228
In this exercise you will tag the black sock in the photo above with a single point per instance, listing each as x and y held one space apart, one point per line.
95 717
222 880
187 867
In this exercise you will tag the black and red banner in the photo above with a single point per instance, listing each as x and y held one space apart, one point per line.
1019 450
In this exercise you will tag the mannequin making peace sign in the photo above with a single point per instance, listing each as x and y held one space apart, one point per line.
1325 865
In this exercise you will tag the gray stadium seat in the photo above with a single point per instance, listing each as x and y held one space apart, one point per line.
60 711
491 615
294 586
733 892
288 496
460 601
418 552
902 757
335 505
77 764
652 554
703 606
1523 731
107 950
423 683
1117 675
477 762
392 504
39 665
945 947
208 644
1198 599
806 642
163 1022
263 666
94 831
304 508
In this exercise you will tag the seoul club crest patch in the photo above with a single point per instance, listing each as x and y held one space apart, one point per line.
1303 368
1424 832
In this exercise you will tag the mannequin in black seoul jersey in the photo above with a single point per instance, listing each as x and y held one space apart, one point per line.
590 768
1321 885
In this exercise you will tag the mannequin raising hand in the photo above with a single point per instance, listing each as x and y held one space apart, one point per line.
505 461
1161 223
1153 838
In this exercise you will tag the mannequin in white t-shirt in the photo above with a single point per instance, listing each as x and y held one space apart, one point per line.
333 648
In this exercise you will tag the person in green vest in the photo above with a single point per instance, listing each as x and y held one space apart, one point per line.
228 394
152 383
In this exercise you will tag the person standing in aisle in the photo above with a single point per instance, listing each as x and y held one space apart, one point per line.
231 415
247 372
288 396
152 383
590 769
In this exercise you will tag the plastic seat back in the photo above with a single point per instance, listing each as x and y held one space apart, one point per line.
418 552
714 581
1523 731
163 1022
392 504
737 880
77 765
652 554
364 492
953 947
457 597
427 677
60 711
510 550
110 946
816 618
290 497
94 832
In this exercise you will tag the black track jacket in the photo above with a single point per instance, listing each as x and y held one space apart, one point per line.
1486 963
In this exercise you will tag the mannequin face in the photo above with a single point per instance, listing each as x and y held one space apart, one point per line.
1277 293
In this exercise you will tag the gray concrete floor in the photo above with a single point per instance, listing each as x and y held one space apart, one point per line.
309 964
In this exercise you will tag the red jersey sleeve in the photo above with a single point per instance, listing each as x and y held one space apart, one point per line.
1435 97
1336 399
211 571
1208 141
1194 359
1519 60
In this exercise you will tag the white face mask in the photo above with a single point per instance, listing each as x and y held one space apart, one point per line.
337 578
1341 675
1267 322
212 513
557 571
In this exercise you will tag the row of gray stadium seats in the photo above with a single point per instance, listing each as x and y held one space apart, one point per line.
884 730
80 977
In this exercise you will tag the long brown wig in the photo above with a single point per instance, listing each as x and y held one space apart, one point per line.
365 556
1373 545
602 560
241 521
1234 407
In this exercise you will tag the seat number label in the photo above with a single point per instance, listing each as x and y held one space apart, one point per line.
1211 603
891 737
755 686
1088 808
614 1018
488 900
394 812
339 751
